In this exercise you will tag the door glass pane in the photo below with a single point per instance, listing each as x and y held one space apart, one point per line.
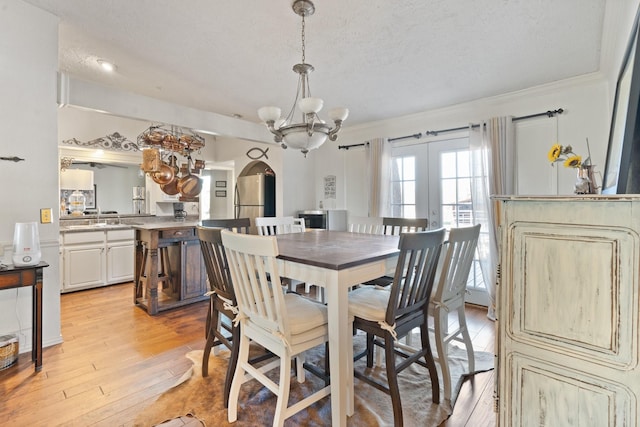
448 191
448 165
408 168
464 168
403 187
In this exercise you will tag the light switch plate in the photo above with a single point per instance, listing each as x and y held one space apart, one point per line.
45 216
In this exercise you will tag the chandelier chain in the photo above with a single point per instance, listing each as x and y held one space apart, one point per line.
303 40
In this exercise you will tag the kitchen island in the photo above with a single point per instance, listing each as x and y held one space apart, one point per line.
169 269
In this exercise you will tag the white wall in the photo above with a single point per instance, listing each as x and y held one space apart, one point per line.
28 118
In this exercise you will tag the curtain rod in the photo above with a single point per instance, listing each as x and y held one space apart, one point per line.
550 113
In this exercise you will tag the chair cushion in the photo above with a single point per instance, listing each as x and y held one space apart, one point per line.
304 314
369 303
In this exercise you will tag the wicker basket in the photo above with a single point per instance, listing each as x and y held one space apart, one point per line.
8 350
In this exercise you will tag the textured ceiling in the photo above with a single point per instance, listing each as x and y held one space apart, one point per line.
379 58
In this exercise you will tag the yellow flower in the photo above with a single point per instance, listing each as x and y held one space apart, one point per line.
565 154
555 152
574 161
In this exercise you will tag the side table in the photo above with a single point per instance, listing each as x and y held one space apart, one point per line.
18 277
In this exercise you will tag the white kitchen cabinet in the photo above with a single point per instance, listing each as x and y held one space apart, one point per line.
96 258
84 260
120 250
568 312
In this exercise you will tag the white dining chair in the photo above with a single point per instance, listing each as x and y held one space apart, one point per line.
365 224
449 296
273 225
285 324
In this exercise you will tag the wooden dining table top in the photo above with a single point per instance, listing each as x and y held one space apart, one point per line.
335 250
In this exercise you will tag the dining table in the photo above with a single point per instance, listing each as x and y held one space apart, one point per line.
337 261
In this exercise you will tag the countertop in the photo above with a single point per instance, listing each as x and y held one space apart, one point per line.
84 224
164 225
93 227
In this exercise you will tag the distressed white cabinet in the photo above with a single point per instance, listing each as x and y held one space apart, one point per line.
96 258
120 250
84 260
568 323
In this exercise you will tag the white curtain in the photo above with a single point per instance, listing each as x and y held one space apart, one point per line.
378 154
493 164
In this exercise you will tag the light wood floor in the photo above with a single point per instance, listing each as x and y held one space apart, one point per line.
115 358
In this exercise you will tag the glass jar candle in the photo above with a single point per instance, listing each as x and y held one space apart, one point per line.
77 203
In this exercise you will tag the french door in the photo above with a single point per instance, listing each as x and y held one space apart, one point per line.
433 180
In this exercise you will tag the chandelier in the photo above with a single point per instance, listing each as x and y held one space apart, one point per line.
311 132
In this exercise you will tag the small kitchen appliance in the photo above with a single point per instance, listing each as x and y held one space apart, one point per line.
139 206
26 244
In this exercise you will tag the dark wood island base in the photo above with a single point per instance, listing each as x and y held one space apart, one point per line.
169 269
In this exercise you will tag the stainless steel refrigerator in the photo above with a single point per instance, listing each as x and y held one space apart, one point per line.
255 196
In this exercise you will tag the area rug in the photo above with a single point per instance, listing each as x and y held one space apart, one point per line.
202 397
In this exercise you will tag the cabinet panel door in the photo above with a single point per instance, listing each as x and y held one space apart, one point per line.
543 393
84 267
193 273
572 290
120 263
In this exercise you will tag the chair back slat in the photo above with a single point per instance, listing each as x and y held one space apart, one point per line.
415 273
254 271
270 226
365 224
395 226
239 225
458 254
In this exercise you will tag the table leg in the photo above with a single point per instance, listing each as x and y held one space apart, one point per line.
340 349
36 338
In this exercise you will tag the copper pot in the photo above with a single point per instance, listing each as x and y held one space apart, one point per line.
171 188
190 185
164 175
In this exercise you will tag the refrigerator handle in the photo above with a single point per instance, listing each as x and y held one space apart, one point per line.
236 202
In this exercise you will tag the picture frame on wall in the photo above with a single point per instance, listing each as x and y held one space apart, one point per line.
221 184
221 193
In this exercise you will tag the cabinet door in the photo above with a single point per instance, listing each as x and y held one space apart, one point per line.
84 267
120 262
193 271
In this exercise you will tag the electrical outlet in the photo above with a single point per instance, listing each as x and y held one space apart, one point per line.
45 216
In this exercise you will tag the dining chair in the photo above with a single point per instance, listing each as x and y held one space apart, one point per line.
270 226
388 314
222 301
365 224
285 324
395 226
239 225
449 296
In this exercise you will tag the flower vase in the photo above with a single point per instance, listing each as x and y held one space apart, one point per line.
585 181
